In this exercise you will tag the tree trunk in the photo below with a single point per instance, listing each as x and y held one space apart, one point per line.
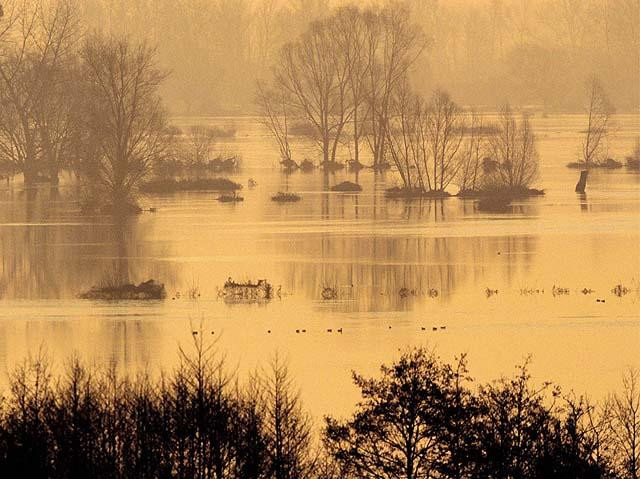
582 182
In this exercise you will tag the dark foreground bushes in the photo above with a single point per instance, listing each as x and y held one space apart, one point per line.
421 418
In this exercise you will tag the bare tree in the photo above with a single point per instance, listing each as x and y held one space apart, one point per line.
56 113
472 154
315 80
201 140
275 116
594 143
37 120
351 30
514 154
18 95
407 138
125 118
445 127
424 139
394 43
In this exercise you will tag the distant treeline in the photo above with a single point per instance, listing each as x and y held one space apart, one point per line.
419 418
484 52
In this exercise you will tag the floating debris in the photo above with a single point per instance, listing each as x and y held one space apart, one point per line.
286 197
620 290
144 291
249 291
252 183
490 292
559 291
530 291
406 292
329 293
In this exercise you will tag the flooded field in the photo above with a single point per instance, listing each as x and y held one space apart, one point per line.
537 280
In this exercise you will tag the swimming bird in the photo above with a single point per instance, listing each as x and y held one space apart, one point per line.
340 330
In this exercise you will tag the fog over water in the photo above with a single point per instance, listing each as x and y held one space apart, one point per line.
484 52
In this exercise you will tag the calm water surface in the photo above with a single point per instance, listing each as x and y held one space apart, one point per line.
365 246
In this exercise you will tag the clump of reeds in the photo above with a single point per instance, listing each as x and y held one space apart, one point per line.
282 197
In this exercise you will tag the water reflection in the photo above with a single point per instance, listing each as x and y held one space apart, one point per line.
47 251
365 246
369 273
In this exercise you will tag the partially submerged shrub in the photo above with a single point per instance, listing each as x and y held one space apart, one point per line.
329 293
307 165
609 164
289 165
282 197
144 291
347 186
261 290
633 161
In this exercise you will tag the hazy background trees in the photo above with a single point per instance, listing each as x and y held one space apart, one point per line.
483 52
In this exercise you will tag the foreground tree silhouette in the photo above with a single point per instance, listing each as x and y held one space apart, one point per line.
125 119
287 426
406 424
625 424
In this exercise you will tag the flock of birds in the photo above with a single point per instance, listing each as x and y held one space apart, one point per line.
340 330
330 330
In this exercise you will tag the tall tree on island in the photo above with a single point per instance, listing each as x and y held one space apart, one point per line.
126 121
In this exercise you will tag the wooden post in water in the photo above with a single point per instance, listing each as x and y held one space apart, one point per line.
582 182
